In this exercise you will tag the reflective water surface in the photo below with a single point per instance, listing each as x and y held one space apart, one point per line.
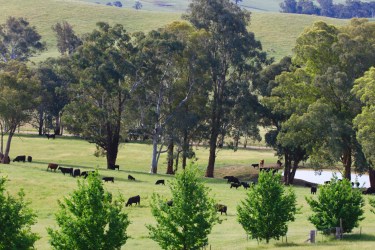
326 175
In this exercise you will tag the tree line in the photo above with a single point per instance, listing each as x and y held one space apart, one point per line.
351 8
205 79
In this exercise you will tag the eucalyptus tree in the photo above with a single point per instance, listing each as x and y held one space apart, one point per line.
234 56
329 59
105 73
273 84
19 40
185 124
55 75
168 60
67 40
19 97
364 89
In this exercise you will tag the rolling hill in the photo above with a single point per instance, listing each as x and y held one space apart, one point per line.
276 31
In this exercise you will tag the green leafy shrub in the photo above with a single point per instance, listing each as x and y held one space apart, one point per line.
89 219
16 219
265 212
187 223
337 200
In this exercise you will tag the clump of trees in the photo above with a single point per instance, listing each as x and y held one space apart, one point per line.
268 208
351 8
16 219
187 222
337 205
90 218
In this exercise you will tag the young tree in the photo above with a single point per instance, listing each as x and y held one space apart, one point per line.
90 219
187 223
337 203
16 219
233 56
19 97
372 204
265 212
19 41
106 73
67 41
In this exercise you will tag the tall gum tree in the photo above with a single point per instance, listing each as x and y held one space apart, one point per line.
233 55
279 89
364 89
106 79
19 97
171 75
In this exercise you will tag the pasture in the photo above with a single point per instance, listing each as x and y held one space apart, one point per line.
43 189
276 31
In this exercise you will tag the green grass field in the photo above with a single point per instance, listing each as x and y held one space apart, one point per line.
44 188
276 31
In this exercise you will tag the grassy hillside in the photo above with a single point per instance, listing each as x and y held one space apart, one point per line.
276 31
44 188
181 5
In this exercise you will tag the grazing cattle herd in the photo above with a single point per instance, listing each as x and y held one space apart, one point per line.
232 180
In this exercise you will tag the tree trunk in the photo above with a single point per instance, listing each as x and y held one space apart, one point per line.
6 158
40 123
215 129
154 161
113 138
371 173
347 162
185 148
287 167
57 129
170 157
293 173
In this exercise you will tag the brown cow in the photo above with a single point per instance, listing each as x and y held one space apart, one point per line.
52 166
221 208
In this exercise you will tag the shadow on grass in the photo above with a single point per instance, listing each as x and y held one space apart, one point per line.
359 237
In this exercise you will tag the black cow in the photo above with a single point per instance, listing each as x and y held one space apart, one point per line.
52 166
313 190
370 190
76 172
86 173
160 182
134 199
106 179
170 203
66 170
29 159
131 178
327 182
245 185
232 179
221 208
50 136
255 165
20 158
236 185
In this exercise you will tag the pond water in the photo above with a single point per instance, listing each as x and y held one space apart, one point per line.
326 175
